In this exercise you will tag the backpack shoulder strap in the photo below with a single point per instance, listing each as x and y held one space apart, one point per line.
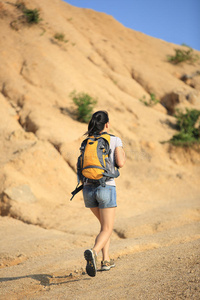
106 136
83 144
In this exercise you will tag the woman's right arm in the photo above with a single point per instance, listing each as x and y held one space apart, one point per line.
120 157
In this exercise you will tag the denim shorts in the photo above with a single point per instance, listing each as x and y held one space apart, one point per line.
98 196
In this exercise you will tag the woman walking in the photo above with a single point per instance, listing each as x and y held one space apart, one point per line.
102 200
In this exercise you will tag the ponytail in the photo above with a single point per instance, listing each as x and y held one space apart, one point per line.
97 122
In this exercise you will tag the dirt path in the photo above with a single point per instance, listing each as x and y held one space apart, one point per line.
157 257
167 273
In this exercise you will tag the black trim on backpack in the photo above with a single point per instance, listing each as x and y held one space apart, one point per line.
77 189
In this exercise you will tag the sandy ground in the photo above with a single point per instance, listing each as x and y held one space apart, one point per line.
169 273
164 265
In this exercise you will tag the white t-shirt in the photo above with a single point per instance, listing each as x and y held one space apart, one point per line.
114 143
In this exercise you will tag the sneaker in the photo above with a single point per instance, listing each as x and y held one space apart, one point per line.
107 265
91 257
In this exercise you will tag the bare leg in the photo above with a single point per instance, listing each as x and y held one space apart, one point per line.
96 212
105 249
107 216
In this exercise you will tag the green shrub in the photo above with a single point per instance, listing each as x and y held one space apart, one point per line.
189 126
32 15
85 104
60 37
151 102
183 55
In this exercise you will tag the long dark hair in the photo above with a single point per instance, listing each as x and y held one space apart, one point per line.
97 122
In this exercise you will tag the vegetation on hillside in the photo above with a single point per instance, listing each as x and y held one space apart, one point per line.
188 124
84 106
150 102
182 55
60 37
32 16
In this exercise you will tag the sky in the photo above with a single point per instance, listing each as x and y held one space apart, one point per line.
175 21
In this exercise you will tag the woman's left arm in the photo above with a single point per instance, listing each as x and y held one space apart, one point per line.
120 157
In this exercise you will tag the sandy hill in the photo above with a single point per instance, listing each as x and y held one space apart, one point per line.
158 191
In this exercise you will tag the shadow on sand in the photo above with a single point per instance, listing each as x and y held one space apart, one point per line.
47 279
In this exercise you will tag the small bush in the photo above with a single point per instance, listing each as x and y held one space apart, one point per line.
189 126
183 56
60 37
151 102
85 104
32 15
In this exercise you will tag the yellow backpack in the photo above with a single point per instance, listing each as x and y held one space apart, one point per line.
94 164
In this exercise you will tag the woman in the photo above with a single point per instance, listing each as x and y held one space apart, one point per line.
102 200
